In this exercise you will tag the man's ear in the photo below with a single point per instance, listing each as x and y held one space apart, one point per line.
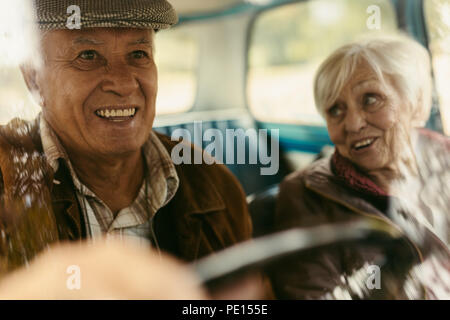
30 76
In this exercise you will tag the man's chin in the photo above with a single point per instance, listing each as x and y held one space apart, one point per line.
119 148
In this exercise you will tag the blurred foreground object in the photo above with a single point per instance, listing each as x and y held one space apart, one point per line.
393 274
219 266
101 270
27 223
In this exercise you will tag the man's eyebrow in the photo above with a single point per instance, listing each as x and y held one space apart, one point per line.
145 41
82 40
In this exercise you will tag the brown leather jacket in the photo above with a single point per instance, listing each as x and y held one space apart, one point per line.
315 196
207 213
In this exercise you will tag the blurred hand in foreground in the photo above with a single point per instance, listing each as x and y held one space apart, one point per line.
106 269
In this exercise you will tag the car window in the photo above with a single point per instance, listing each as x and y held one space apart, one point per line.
18 43
437 14
176 58
288 43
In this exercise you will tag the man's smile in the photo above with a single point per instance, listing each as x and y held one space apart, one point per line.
117 114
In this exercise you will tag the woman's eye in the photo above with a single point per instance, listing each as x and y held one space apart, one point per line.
369 99
335 111
372 102
88 55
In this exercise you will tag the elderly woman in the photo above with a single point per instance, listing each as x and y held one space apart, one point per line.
374 94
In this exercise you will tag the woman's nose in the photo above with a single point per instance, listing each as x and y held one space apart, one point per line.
355 120
119 80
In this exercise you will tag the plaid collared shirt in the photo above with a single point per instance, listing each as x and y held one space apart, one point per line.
135 221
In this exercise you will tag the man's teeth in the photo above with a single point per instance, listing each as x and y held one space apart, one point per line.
364 143
116 113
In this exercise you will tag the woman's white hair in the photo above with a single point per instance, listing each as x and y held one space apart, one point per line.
399 57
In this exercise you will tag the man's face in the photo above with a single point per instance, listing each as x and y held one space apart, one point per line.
99 88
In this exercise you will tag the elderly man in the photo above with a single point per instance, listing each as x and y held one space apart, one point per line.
90 164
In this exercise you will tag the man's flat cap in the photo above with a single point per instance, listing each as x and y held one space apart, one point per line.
145 14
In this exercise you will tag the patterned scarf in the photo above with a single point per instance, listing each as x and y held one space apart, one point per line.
353 177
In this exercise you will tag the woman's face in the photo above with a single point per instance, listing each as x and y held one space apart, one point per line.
364 121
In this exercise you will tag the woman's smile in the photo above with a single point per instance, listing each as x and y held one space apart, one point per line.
363 146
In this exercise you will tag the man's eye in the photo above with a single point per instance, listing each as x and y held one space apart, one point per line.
88 55
139 54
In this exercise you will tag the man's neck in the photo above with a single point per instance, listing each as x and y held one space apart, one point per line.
115 180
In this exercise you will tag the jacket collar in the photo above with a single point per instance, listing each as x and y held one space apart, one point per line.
192 178
64 201
320 179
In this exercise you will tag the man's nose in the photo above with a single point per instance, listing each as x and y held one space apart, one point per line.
355 120
119 80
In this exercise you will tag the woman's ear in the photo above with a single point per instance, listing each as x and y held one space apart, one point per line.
424 103
421 113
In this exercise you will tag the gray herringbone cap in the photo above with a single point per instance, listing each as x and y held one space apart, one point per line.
146 14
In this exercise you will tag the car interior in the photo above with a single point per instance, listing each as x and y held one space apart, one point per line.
249 65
